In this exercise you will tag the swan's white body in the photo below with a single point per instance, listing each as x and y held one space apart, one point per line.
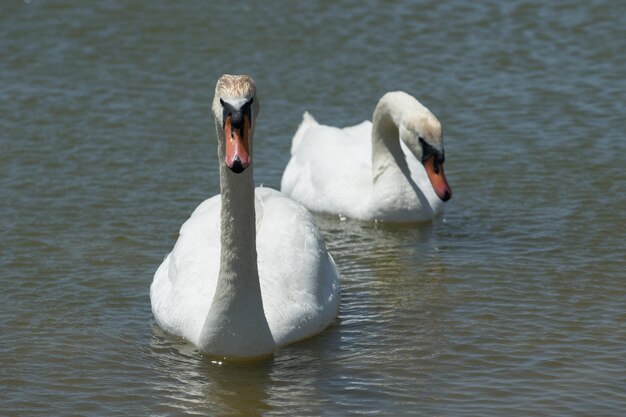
298 277
368 171
249 273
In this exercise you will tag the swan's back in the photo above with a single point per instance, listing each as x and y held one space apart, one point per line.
308 122
330 168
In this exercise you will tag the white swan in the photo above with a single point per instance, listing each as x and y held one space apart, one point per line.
391 170
236 284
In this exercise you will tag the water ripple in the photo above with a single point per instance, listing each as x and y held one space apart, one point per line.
511 303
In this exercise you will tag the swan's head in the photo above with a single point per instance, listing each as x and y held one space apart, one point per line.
235 108
424 138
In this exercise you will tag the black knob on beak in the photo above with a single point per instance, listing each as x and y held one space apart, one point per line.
237 167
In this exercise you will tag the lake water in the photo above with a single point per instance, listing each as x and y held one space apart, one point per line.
513 303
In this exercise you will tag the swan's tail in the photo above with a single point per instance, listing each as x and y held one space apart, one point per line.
308 121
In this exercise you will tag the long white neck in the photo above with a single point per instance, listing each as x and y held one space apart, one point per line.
387 155
236 325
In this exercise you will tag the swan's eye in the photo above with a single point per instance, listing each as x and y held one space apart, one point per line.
222 102
428 151
246 109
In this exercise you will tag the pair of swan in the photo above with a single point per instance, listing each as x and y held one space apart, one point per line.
250 272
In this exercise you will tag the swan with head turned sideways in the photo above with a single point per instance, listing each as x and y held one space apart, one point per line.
390 169
250 272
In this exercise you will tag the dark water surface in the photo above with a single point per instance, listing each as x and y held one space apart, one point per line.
513 303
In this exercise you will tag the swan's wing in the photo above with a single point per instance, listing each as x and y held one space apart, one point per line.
299 279
362 131
184 284
330 171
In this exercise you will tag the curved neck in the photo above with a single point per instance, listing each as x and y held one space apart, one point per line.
387 155
236 325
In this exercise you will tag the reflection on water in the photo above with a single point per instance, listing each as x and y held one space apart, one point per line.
195 384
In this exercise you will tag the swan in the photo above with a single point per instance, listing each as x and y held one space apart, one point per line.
389 170
249 272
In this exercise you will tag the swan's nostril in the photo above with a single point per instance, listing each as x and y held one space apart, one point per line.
237 167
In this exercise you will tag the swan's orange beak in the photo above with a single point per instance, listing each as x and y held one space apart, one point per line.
237 156
437 178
